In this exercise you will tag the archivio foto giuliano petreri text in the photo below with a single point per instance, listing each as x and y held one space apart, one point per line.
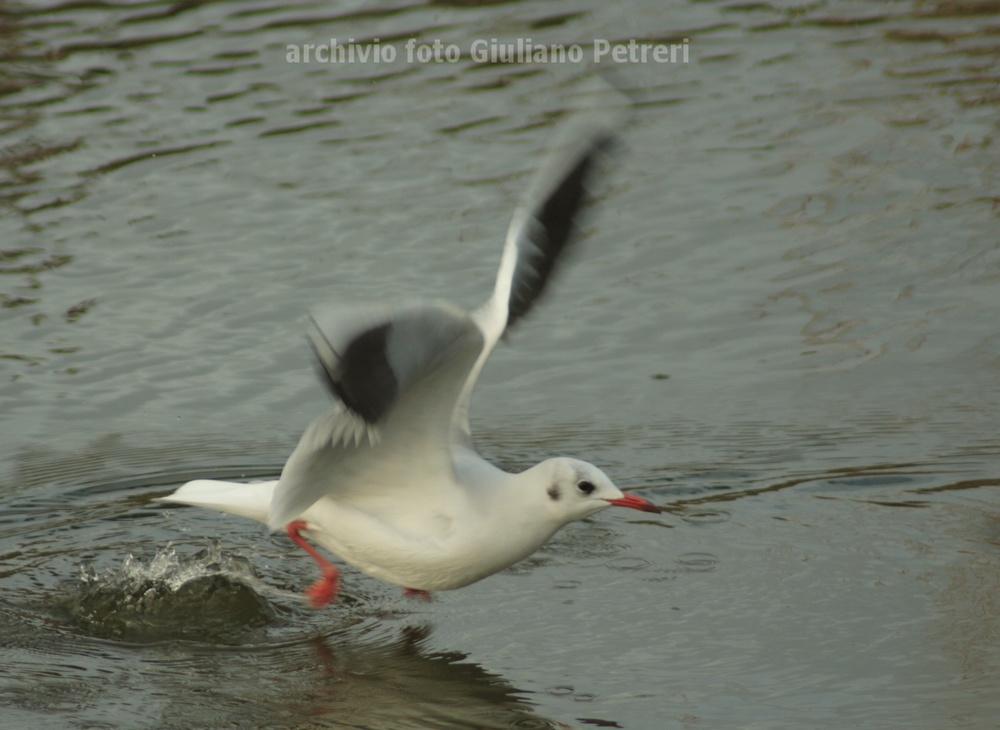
488 50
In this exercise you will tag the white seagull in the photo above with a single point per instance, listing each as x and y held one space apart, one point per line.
389 479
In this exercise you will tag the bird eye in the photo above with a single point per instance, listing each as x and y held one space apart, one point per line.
586 487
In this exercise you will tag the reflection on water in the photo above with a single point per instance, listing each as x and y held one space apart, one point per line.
782 329
403 684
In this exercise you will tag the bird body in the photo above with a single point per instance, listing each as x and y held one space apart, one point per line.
389 479
503 519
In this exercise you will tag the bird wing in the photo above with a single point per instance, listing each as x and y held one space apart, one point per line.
544 226
403 377
396 374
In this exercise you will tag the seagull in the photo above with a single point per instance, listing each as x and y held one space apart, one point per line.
388 479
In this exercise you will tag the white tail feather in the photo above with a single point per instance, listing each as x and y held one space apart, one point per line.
236 498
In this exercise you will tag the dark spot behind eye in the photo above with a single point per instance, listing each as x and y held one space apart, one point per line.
553 493
586 487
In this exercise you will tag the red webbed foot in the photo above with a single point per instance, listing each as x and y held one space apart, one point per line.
325 590
417 593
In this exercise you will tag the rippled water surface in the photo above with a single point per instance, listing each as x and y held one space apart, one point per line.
782 328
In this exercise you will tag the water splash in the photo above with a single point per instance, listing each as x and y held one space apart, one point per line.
209 596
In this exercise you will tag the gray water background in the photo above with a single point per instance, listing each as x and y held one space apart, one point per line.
782 328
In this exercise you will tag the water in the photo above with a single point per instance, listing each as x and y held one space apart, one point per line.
782 327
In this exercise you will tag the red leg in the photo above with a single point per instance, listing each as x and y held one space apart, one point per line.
324 590
417 593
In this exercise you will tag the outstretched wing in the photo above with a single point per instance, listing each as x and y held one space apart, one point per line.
544 226
396 374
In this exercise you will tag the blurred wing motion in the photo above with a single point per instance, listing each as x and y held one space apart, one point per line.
396 374
403 377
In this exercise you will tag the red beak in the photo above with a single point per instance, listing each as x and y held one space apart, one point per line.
633 502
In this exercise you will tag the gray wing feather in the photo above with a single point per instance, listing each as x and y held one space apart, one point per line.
549 218
396 373
546 222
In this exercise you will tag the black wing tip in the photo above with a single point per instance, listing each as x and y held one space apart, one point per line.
558 217
374 363
361 378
